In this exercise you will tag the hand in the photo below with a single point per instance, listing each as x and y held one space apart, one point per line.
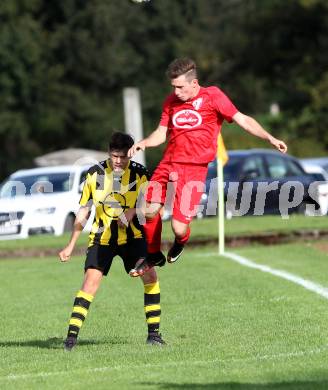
278 144
65 254
141 145
126 218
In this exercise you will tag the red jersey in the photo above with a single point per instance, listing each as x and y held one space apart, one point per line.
194 125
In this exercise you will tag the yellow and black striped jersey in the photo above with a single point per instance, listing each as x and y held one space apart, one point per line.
112 193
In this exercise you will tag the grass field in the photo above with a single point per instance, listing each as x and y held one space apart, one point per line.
201 228
226 326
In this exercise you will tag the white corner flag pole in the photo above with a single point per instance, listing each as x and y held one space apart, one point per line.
221 206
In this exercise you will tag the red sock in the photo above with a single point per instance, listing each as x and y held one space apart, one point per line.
153 233
183 240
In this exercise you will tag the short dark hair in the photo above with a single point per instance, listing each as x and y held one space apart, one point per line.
182 66
120 142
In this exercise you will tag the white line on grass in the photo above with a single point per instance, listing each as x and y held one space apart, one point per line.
187 363
307 284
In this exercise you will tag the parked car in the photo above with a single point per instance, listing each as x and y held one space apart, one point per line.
40 200
321 175
316 170
316 161
263 181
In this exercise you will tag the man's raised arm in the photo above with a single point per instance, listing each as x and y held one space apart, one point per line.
157 137
253 127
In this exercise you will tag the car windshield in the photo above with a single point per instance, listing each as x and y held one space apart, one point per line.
46 183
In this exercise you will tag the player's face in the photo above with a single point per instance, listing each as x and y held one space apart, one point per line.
185 89
119 160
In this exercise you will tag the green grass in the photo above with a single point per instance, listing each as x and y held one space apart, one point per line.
260 225
43 241
201 228
226 326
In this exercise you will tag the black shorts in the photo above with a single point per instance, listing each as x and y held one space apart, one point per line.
101 256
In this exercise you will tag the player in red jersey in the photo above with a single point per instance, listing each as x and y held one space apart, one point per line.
191 119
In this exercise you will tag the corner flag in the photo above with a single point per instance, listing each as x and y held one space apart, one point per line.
222 152
222 159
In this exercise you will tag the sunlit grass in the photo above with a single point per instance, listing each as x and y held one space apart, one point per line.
226 326
201 228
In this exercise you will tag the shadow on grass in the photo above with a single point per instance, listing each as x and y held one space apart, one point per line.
293 385
57 343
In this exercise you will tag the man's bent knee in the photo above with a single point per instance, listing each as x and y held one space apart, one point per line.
180 229
149 277
92 280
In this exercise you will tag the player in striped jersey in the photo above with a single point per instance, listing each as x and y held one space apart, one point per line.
114 188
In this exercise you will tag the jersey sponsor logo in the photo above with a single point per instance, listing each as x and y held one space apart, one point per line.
197 103
186 119
114 205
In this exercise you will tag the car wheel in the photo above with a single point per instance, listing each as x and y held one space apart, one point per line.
69 223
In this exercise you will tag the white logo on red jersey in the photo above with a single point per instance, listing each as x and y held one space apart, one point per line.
186 119
197 103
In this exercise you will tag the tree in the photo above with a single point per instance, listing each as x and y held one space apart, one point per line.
63 65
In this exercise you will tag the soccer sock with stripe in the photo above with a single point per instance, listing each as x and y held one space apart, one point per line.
153 233
152 306
80 310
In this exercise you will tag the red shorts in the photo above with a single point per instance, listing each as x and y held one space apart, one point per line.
178 187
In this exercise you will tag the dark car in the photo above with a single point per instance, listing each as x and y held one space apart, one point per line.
261 181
